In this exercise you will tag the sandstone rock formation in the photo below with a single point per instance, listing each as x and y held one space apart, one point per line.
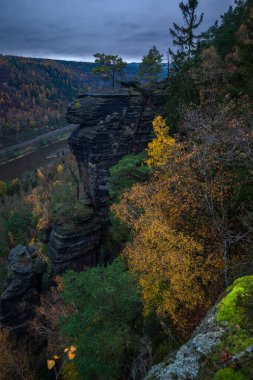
109 127
185 363
26 279
75 248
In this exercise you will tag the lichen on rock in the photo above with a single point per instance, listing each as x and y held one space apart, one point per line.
222 346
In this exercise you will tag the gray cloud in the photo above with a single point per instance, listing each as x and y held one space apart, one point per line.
76 29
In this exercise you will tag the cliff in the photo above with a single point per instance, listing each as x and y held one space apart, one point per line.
108 127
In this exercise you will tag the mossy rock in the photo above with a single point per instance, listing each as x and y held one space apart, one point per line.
229 309
229 374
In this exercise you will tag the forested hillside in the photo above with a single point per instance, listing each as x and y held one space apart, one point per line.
34 93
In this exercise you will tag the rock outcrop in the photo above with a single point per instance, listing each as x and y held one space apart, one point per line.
222 345
27 277
109 127
76 247
185 363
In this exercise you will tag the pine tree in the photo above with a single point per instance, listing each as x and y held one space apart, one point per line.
183 36
150 69
109 66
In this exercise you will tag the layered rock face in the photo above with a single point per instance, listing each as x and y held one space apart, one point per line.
76 248
26 279
109 127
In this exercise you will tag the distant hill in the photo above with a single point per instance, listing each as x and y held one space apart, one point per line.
34 93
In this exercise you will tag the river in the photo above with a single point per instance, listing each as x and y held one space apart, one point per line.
31 161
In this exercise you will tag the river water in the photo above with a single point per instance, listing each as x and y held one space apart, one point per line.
28 163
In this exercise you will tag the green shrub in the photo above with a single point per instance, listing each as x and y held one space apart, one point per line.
128 171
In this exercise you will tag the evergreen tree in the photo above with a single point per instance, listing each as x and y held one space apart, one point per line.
109 65
150 69
183 36
104 324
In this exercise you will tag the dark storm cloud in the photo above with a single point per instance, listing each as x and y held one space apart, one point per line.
76 29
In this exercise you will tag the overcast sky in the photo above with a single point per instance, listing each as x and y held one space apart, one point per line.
77 29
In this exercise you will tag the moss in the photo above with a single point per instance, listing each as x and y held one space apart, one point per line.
229 310
236 311
237 340
77 104
229 374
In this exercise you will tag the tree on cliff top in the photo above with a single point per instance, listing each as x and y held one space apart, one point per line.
150 69
183 36
109 65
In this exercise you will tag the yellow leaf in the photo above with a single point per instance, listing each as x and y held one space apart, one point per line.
60 168
56 357
72 349
66 349
71 355
50 364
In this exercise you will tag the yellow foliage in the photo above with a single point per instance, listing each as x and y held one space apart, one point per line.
162 145
39 198
60 168
174 253
71 355
50 364
40 173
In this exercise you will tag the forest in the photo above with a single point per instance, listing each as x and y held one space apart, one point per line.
34 93
180 236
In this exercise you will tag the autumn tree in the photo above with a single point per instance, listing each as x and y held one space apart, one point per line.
161 147
168 252
222 158
150 68
109 66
